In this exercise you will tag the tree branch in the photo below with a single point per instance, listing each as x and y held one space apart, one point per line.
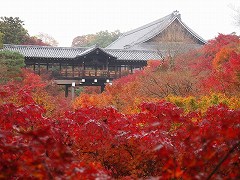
222 160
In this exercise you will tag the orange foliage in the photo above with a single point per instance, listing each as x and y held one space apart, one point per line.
124 95
222 57
34 90
196 73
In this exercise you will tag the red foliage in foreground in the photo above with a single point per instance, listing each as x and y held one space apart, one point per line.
161 141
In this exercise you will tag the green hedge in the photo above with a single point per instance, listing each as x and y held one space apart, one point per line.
10 65
1 40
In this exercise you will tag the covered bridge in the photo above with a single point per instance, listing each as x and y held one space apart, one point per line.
92 66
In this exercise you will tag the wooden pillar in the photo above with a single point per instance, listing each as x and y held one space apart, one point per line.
120 71
131 69
66 71
84 65
95 71
73 92
39 68
79 70
47 66
34 67
73 70
102 87
84 69
66 90
107 64
115 69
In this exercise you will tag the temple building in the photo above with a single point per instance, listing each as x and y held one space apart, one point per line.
95 66
167 33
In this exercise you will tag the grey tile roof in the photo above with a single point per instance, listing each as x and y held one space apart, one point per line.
148 31
95 48
70 52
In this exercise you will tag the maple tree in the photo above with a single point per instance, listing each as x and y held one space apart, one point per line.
34 41
47 39
159 141
214 68
1 40
189 135
13 30
29 87
10 65
102 38
155 82
222 58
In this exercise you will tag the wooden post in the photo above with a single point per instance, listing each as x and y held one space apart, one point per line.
115 69
73 91
66 90
66 71
73 70
120 71
84 69
79 70
39 68
102 87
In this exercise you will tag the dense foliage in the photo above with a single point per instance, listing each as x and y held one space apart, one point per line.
14 32
10 65
159 123
215 68
160 141
102 38
47 39
1 40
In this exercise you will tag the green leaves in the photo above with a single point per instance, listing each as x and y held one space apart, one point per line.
13 30
1 40
102 38
10 65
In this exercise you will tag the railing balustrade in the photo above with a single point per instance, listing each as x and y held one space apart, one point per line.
91 73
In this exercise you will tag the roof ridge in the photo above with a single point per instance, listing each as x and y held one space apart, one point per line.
47 47
154 34
131 50
70 52
149 24
193 32
169 16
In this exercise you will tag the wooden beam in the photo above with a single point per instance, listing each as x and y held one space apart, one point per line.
39 68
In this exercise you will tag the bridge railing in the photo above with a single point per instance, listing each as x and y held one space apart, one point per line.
92 73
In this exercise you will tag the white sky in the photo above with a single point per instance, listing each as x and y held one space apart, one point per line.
66 19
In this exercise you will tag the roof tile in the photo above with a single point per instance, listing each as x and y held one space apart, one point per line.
70 52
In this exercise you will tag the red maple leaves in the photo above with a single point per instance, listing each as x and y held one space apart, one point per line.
161 141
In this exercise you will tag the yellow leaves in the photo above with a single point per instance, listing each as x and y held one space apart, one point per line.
97 100
43 99
221 57
187 103
202 103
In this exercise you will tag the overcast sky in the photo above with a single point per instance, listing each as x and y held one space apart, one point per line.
66 19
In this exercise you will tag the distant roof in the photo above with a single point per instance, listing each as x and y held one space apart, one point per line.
97 50
70 52
148 31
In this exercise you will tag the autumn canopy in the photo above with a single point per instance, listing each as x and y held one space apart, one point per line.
163 122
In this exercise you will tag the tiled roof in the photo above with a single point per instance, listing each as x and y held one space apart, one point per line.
95 49
70 52
144 33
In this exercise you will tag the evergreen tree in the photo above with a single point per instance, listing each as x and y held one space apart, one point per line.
13 30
